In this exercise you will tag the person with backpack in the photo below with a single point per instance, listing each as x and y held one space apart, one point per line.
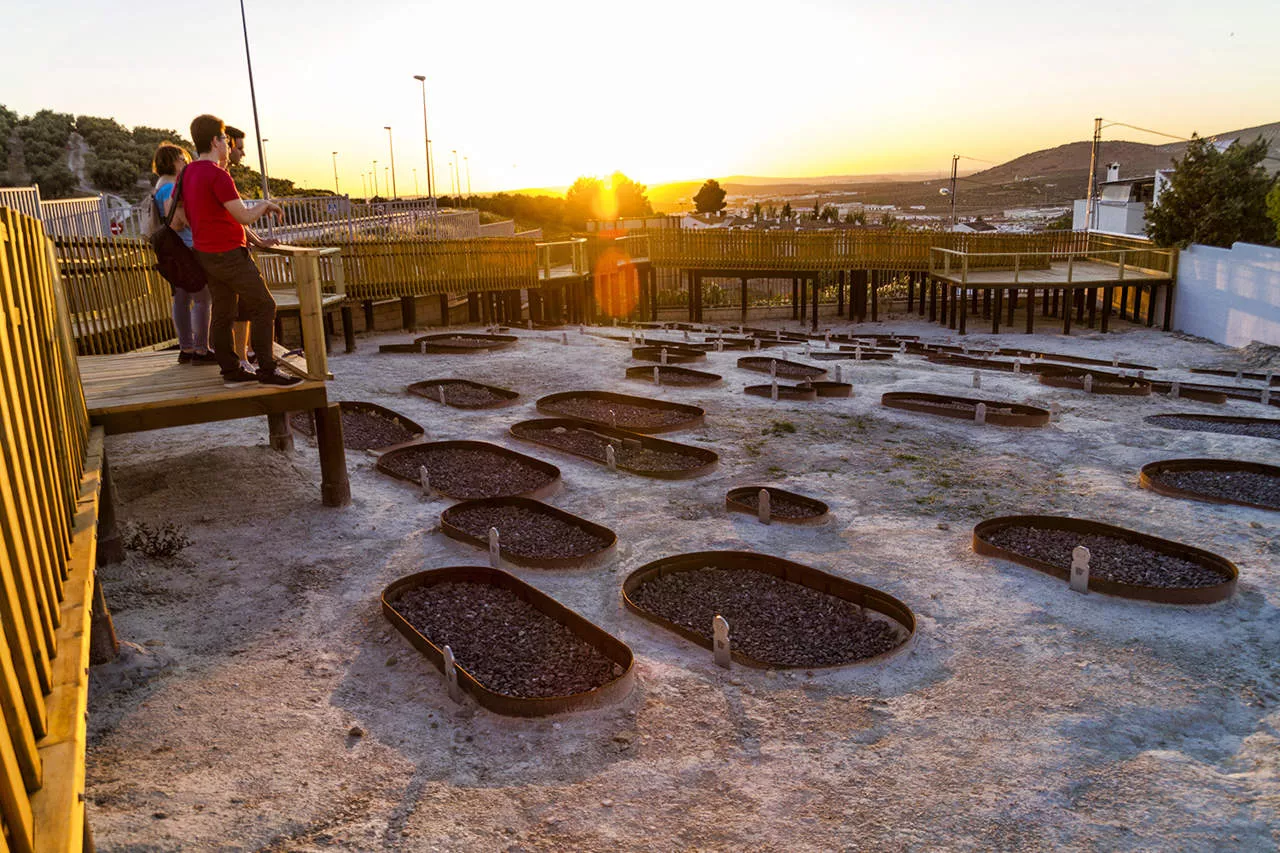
218 218
190 308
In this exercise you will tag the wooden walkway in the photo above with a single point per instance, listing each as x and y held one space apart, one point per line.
138 391
1057 275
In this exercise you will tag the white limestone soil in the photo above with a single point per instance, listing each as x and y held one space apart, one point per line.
262 702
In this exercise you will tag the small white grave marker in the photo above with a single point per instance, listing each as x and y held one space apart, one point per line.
773 367
1017 365
529 325
451 675
807 350
440 393
662 355
1266 396
613 418
902 347
980 413
1239 376
763 511
755 343
1055 411
773 390
582 330
1175 388
495 550
686 334
1080 569
1088 383
564 338
611 457
826 340
422 347
424 480
631 338
657 376
839 378
977 379
857 352
720 643
719 345
1115 360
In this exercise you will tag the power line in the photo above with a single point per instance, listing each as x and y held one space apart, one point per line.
1146 130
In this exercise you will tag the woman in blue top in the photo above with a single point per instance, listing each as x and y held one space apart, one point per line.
190 310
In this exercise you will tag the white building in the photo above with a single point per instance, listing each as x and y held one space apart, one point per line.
1121 204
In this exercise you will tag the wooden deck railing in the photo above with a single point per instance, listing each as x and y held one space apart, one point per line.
49 461
564 253
817 251
382 269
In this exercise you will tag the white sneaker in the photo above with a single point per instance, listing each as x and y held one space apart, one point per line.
247 367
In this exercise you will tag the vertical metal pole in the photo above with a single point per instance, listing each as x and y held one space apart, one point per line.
335 174
1090 198
467 160
374 173
426 137
392 148
253 99
955 160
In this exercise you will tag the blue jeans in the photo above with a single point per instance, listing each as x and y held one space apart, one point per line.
191 319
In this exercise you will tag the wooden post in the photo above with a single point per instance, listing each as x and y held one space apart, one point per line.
964 308
281 434
933 300
996 309
103 645
817 286
1013 303
348 328
743 313
795 298
335 488
110 545
1091 296
1107 294
408 313
306 276
1031 310
911 290
473 307
444 309
840 293
369 324
804 299
1066 313
875 296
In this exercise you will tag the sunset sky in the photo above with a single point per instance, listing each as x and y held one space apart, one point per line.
535 94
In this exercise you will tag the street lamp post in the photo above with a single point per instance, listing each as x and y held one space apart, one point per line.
415 182
457 181
426 137
364 185
375 177
392 148
253 98
467 160
336 191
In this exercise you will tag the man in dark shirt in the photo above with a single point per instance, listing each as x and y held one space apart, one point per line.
218 221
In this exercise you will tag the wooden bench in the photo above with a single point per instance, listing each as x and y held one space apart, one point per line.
52 497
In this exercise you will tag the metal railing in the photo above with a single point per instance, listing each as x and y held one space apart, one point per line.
74 217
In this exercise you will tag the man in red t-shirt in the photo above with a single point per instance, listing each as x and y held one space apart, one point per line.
218 218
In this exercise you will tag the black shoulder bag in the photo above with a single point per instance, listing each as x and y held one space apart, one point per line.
174 260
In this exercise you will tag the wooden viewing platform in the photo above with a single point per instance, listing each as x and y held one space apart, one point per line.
145 390
1075 277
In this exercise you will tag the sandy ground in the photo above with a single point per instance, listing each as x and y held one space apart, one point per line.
262 702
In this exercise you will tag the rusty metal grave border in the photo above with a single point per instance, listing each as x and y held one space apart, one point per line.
1075 359
733 503
501 703
914 401
789 393
675 354
547 490
869 354
1244 374
866 597
694 416
1154 420
595 558
506 396
760 364
1149 478
832 389
1160 595
710 459
644 373
437 344
1199 393
360 406
1103 383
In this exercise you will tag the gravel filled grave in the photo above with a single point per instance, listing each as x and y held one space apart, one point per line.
782 504
615 411
1250 487
679 376
362 429
786 369
799 393
1111 558
504 642
771 620
467 473
463 394
632 456
525 532
1254 427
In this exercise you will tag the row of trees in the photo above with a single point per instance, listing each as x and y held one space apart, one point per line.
588 198
117 161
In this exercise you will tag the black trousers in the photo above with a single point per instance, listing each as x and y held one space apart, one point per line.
239 293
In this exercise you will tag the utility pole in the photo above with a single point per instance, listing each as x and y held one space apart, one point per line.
955 161
426 137
253 98
1091 196
392 147
336 191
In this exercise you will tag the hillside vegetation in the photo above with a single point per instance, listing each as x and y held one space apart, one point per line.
70 155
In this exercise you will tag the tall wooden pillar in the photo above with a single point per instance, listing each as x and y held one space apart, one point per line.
840 277
743 313
795 299
875 296
817 288
409 313
804 299
444 309
473 307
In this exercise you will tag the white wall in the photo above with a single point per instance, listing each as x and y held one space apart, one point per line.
1231 296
